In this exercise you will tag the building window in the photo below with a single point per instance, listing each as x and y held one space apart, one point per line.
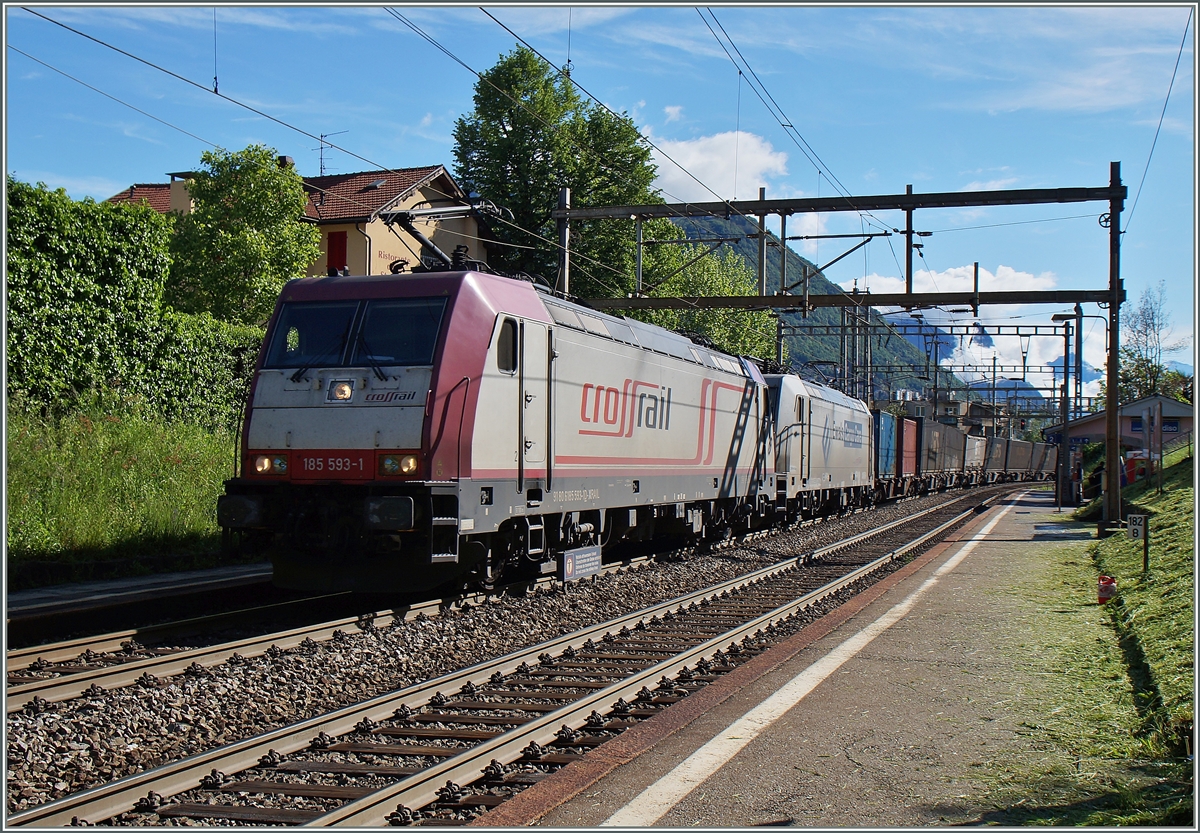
336 250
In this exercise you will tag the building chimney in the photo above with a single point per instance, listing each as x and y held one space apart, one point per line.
287 162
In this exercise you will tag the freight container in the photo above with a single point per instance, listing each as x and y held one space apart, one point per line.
1020 457
1039 459
997 455
942 448
1051 466
976 453
884 425
908 435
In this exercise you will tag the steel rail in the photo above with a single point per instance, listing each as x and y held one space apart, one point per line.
120 675
422 788
68 649
108 800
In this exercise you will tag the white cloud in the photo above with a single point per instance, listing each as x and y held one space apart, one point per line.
674 112
733 165
990 185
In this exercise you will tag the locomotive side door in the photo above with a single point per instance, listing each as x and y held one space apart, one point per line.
535 395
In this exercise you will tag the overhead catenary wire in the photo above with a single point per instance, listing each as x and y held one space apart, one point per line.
83 83
308 183
275 120
778 114
729 206
1161 116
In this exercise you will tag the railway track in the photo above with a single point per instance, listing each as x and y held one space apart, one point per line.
442 751
60 671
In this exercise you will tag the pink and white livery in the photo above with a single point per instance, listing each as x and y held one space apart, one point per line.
442 429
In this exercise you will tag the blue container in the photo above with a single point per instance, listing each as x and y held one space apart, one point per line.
884 425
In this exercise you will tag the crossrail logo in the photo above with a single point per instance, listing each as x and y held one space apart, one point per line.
392 396
635 404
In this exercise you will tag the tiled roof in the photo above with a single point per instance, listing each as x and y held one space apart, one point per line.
357 196
157 194
334 198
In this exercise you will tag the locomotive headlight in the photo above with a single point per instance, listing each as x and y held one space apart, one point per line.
341 391
397 464
271 464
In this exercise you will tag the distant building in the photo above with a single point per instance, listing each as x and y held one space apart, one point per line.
1178 419
346 208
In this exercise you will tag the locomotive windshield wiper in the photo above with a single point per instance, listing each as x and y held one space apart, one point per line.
311 362
367 356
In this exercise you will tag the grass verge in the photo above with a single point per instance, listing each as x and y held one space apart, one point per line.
98 494
1084 756
1110 732
1154 611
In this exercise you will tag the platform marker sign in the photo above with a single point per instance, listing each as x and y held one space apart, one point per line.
1139 530
580 563
1137 527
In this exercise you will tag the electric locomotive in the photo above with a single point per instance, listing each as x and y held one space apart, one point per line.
417 431
442 430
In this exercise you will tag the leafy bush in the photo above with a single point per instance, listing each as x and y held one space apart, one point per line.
85 281
198 370
85 315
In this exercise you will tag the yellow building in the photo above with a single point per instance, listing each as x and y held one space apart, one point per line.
347 207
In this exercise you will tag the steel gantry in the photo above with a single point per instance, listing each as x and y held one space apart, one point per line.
1114 194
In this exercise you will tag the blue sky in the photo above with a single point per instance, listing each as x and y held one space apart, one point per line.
944 99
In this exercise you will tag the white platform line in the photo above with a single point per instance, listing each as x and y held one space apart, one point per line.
657 799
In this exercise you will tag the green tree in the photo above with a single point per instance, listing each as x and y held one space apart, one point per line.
244 239
531 134
740 332
1146 333
1140 377
1177 386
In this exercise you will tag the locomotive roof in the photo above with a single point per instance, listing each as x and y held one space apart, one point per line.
565 313
817 389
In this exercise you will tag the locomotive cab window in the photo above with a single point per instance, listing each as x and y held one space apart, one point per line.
394 331
311 333
506 347
399 332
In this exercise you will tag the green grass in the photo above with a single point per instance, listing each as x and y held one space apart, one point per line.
1091 753
1154 611
99 494
1113 736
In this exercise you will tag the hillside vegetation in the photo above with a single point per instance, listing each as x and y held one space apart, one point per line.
1155 610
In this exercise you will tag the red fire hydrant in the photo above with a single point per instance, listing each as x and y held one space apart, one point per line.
1107 589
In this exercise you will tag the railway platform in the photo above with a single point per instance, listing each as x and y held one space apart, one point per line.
874 715
89 595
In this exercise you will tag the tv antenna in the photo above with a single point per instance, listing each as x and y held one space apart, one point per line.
323 137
